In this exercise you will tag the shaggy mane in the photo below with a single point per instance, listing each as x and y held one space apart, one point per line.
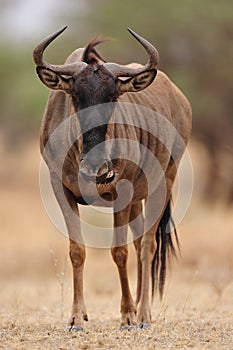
90 55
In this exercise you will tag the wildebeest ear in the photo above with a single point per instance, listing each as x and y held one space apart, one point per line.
137 83
53 80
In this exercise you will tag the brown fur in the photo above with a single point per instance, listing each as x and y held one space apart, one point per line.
161 96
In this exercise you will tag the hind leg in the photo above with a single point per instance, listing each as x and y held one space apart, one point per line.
120 256
154 211
154 208
148 248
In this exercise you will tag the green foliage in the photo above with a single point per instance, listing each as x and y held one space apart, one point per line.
22 98
194 39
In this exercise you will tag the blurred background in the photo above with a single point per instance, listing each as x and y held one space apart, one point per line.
195 42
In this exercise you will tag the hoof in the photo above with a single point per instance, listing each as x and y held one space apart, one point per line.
74 329
77 329
144 325
129 328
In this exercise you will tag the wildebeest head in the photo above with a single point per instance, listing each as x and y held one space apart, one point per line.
94 82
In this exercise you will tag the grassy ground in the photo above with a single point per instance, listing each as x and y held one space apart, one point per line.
36 290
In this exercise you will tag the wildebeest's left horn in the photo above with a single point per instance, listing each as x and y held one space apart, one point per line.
66 69
126 71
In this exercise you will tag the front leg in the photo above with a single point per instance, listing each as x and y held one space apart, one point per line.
120 255
137 227
70 212
78 314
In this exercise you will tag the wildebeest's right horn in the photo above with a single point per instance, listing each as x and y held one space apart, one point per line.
124 71
66 69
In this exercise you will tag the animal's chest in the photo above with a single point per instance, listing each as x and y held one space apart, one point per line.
133 183
142 153
85 191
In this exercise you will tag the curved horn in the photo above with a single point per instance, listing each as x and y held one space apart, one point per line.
124 71
66 69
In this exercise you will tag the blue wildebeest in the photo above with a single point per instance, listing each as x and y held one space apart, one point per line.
93 168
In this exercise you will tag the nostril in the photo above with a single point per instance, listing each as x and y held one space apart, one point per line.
85 170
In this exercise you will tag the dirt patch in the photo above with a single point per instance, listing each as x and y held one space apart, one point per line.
36 290
191 316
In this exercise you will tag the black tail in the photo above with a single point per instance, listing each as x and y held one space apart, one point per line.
165 248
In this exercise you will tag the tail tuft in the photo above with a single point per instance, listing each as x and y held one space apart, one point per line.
165 248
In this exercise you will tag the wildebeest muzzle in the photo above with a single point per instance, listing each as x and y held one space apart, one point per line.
96 170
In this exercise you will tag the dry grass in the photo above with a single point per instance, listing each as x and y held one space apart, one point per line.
35 294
